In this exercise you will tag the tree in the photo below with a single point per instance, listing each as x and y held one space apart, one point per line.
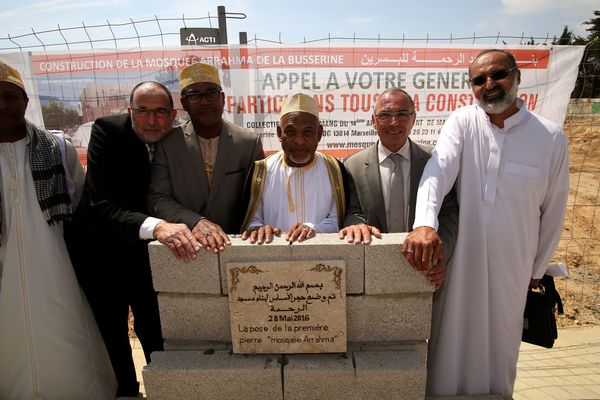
588 81
56 116
589 69
594 28
566 38
531 42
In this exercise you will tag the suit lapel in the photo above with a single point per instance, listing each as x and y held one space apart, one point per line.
373 178
418 159
196 160
141 158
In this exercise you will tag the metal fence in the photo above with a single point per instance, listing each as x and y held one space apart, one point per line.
165 32
580 243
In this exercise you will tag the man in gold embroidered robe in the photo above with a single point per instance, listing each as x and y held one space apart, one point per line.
299 191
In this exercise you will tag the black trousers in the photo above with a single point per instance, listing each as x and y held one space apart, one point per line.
112 312
114 280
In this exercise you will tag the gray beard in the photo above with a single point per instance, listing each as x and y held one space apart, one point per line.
501 105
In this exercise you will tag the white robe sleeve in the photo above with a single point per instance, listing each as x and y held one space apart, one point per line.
329 224
258 219
552 210
439 173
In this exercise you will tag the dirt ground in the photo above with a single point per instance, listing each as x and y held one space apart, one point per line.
579 247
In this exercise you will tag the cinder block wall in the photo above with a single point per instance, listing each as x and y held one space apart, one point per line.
388 323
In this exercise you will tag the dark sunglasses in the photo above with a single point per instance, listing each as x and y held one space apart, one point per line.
495 76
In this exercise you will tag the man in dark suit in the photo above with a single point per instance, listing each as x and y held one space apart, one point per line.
198 171
109 237
387 174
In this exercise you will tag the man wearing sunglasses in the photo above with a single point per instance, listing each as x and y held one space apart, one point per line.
198 172
511 170
387 175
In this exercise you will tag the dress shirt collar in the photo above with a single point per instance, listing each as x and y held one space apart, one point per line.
383 152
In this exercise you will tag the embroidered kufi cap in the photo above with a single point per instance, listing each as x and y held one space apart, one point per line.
198 73
300 102
10 75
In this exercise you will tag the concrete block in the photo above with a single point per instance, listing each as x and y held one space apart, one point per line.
419 346
325 246
171 275
196 345
389 317
194 317
319 376
390 375
388 272
242 251
369 318
195 375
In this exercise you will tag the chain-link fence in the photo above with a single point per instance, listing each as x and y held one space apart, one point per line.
580 243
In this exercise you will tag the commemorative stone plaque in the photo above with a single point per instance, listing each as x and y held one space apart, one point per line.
287 307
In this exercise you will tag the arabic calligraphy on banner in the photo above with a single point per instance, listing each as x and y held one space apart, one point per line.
292 307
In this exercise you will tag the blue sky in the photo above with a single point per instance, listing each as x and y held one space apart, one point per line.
312 20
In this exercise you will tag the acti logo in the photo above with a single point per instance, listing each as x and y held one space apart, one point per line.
192 39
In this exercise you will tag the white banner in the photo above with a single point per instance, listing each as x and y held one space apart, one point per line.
345 79
22 62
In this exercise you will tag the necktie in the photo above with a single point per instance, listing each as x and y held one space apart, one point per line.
150 148
396 222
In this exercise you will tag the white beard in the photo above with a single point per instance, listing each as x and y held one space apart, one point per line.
303 161
502 104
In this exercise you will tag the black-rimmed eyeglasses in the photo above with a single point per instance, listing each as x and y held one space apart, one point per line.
160 113
195 97
497 75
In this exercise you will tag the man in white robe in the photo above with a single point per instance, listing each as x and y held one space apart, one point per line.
298 190
511 172
50 346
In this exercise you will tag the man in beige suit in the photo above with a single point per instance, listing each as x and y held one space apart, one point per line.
387 174
198 171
